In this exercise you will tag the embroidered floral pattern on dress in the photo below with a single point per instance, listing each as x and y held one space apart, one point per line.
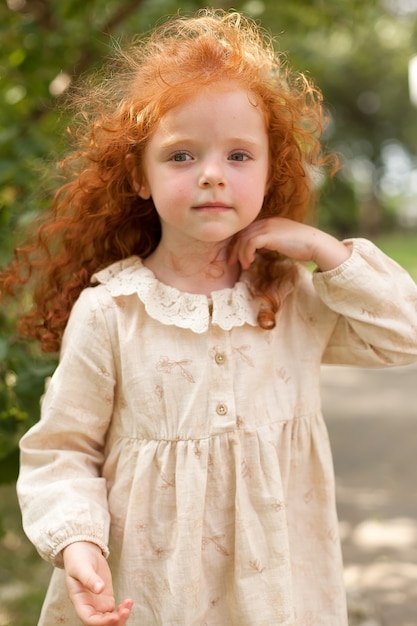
227 308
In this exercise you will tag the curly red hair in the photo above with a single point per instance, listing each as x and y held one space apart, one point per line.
97 217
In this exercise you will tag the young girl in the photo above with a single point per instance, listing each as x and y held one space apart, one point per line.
181 465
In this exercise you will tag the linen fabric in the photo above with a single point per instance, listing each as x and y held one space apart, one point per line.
189 443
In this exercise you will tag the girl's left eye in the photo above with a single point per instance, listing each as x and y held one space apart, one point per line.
179 157
239 156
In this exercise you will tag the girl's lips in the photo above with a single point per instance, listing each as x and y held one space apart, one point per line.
212 206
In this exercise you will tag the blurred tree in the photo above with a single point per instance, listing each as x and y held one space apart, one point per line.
356 51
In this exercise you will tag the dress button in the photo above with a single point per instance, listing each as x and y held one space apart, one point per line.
221 409
220 358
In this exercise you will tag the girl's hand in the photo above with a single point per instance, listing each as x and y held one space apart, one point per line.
90 586
292 239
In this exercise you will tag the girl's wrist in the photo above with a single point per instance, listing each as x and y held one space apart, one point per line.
80 545
329 252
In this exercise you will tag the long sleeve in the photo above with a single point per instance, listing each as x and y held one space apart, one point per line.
376 303
62 495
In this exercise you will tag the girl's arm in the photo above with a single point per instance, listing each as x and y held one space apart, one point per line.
62 494
361 303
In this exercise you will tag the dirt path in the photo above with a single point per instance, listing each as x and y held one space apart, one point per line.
372 422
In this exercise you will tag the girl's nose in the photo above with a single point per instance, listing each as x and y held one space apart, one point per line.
211 175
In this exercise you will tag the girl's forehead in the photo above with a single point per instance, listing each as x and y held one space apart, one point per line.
221 113
220 94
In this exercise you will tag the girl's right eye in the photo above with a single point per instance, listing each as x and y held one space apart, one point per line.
179 157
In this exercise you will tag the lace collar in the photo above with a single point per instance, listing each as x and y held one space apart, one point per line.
225 308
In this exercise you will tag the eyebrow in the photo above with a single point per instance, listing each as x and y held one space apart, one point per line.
184 139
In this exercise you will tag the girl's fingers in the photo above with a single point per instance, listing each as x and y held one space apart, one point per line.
124 611
279 234
244 249
116 618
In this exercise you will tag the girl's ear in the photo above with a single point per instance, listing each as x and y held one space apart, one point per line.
139 185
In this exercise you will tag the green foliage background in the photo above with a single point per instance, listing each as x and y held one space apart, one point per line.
357 51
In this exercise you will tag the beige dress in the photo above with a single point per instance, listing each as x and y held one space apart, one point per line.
189 443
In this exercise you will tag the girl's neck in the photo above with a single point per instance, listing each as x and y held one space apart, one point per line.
199 271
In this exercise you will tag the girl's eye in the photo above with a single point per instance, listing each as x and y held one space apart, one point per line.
239 156
180 156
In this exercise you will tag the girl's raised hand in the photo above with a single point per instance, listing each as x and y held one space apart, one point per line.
90 586
298 241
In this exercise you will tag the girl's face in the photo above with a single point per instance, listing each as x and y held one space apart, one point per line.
206 166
